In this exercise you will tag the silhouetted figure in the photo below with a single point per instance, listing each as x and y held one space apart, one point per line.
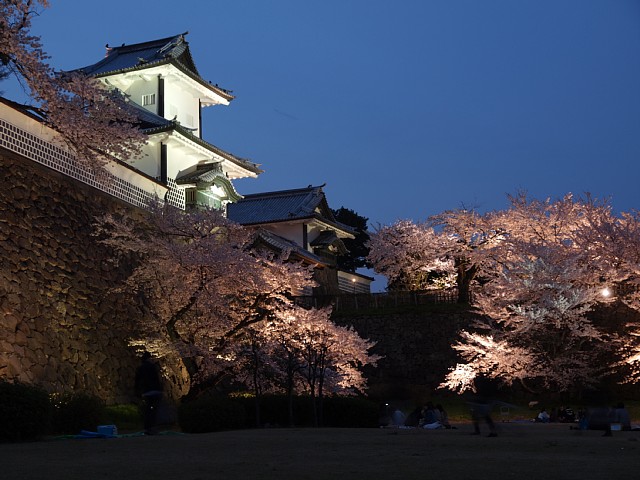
482 405
431 417
398 418
444 416
621 416
149 387
413 419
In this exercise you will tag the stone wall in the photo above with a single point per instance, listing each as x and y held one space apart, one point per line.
59 326
416 346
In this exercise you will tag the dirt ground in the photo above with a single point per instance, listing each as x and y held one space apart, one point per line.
521 451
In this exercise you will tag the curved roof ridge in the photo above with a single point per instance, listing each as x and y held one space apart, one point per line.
284 193
172 50
149 43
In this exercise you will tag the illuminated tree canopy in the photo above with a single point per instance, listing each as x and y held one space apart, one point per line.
538 269
209 294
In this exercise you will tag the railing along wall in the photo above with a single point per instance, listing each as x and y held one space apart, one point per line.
34 148
385 300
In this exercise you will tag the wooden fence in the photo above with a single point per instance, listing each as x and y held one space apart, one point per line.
361 301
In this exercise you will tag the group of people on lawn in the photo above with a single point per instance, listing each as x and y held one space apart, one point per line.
429 416
592 418
560 415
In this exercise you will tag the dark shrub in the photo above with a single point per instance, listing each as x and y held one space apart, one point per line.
274 411
211 414
336 411
74 412
25 412
351 412
124 416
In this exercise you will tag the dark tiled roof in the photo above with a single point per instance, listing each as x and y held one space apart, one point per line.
209 174
328 238
202 174
283 206
279 206
149 120
281 244
150 123
139 56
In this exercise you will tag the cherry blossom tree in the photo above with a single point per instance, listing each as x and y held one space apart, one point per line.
613 243
412 256
303 351
447 250
255 366
541 267
201 284
332 357
535 326
95 122
471 238
283 344
547 278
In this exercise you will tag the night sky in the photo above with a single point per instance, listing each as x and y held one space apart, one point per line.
404 109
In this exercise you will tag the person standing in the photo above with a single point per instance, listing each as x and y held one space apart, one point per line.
148 386
483 404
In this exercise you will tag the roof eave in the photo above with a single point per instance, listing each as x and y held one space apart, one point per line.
345 233
174 127
170 61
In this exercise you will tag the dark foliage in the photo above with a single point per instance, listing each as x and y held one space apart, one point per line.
350 412
358 250
74 412
25 412
215 413
212 414
336 411
274 410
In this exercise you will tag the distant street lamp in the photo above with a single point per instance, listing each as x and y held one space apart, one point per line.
355 299
606 292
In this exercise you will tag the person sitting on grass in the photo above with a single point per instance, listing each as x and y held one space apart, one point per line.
444 417
543 416
431 417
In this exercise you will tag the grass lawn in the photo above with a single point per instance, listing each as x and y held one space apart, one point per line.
523 450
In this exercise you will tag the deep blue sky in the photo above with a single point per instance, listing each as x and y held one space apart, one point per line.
405 108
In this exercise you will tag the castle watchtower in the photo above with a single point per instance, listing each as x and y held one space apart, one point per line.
162 82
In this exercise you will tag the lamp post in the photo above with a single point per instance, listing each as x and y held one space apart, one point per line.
355 299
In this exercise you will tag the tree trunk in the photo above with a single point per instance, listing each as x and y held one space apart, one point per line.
289 388
256 391
466 272
320 399
314 406
257 407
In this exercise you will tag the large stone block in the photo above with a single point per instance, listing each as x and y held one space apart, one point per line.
8 321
